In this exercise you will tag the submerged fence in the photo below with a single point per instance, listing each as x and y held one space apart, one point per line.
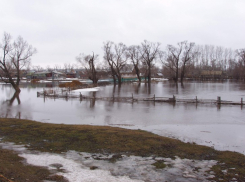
66 94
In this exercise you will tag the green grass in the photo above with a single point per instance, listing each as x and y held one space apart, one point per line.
109 140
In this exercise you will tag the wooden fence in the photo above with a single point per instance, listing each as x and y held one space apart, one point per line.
66 94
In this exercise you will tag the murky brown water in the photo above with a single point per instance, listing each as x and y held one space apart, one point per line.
203 123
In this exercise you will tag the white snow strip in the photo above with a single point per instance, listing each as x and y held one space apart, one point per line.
95 89
76 166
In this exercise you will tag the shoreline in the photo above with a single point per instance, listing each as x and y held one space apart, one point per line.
104 140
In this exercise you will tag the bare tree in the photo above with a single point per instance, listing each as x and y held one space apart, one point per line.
187 56
88 62
68 67
178 59
136 59
149 52
173 59
241 63
15 57
56 67
37 68
116 57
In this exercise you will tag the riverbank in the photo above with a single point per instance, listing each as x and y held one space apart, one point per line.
59 138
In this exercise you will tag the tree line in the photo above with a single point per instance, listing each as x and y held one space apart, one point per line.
177 61
186 58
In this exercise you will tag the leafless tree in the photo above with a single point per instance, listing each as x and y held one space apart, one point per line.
116 57
188 55
173 59
57 67
15 57
136 59
241 63
88 62
149 53
178 59
37 68
48 68
68 67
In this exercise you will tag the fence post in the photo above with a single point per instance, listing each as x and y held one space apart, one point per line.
174 99
154 97
241 101
132 97
219 100
196 99
81 96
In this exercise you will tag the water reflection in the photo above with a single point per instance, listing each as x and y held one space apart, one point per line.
184 121
6 107
92 101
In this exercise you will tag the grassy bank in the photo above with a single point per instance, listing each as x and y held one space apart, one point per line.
101 139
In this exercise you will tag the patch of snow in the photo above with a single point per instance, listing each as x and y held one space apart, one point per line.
95 89
86 167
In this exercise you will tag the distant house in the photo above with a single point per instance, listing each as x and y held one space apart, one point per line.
129 76
71 75
211 74
159 75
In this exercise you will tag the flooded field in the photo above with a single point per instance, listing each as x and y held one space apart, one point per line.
206 124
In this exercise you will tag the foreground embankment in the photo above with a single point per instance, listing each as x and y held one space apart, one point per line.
59 138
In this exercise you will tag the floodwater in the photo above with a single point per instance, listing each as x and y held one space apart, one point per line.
206 124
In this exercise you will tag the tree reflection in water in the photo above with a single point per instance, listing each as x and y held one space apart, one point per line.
8 110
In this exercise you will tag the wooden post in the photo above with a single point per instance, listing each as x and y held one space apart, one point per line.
241 101
174 99
219 100
196 99
81 97
154 97
132 96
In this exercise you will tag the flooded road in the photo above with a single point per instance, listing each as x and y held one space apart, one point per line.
205 124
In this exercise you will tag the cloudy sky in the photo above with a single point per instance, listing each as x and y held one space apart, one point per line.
61 29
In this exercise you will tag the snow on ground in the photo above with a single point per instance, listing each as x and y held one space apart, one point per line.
86 167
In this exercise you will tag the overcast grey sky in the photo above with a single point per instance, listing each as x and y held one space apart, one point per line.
61 29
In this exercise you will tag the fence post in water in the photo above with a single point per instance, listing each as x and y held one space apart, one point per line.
66 95
241 101
132 97
154 97
196 99
174 99
81 97
219 100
